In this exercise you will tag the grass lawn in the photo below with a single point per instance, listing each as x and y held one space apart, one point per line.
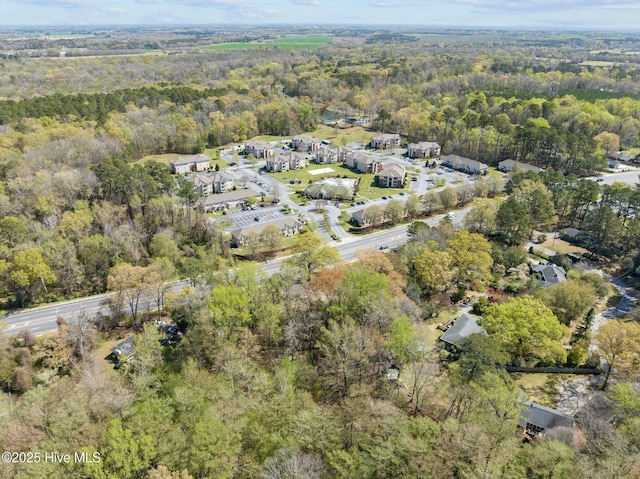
212 153
540 388
343 137
494 172
561 246
367 189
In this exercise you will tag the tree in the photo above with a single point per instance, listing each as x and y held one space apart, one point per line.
470 256
537 201
513 221
618 342
231 309
309 254
81 333
525 328
291 463
128 282
433 272
123 454
413 206
394 211
482 217
448 197
30 271
272 238
373 215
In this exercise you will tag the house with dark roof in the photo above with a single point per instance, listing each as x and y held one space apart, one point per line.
385 141
466 165
536 418
464 326
549 274
185 164
508 165
618 156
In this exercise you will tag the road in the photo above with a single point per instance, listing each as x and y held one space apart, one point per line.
43 318
628 177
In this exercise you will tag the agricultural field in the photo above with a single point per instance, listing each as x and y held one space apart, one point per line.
288 43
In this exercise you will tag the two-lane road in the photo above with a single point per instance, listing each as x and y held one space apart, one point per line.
44 318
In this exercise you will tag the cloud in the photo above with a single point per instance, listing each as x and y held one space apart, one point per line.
306 2
216 3
61 3
148 1
545 6
396 4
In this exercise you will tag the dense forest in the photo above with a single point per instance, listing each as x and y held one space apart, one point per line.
323 370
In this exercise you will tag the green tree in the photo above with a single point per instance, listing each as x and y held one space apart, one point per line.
448 197
513 221
470 256
618 343
432 271
123 454
309 254
30 271
525 328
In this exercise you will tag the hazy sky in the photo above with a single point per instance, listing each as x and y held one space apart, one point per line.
552 14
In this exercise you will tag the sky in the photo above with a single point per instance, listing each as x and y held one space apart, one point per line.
539 14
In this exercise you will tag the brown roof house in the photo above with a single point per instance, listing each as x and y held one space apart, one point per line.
423 149
392 176
185 164
259 149
466 165
386 141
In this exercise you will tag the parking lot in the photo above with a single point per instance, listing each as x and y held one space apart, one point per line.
247 218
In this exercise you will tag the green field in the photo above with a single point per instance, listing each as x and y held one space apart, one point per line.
366 190
212 153
290 43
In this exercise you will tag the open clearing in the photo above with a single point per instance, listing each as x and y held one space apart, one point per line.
321 171
290 43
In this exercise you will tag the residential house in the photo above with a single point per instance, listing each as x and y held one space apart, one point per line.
326 191
386 141
185 164
305 143
619 156
289 226
224 201
392 176
285 162
362 162
327 155
464 326
550 274
358 218
508 165
423 149
572 235
466 165
212 183
121 353
259 149
536 418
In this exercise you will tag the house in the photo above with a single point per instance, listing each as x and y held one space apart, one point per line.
466 165
259 149
224 201
508 165
285 162
550 274
362 162
212 183
572 235
185 164
122 352
423 149
386 141
464 326
618 156
305 143
327 155
289 226
326 191
536 418
392 176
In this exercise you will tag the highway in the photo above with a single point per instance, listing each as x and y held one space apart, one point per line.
44 318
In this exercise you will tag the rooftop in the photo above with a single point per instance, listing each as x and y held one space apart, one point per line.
465 325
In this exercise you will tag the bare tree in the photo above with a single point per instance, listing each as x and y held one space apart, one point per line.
81 334
290 463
